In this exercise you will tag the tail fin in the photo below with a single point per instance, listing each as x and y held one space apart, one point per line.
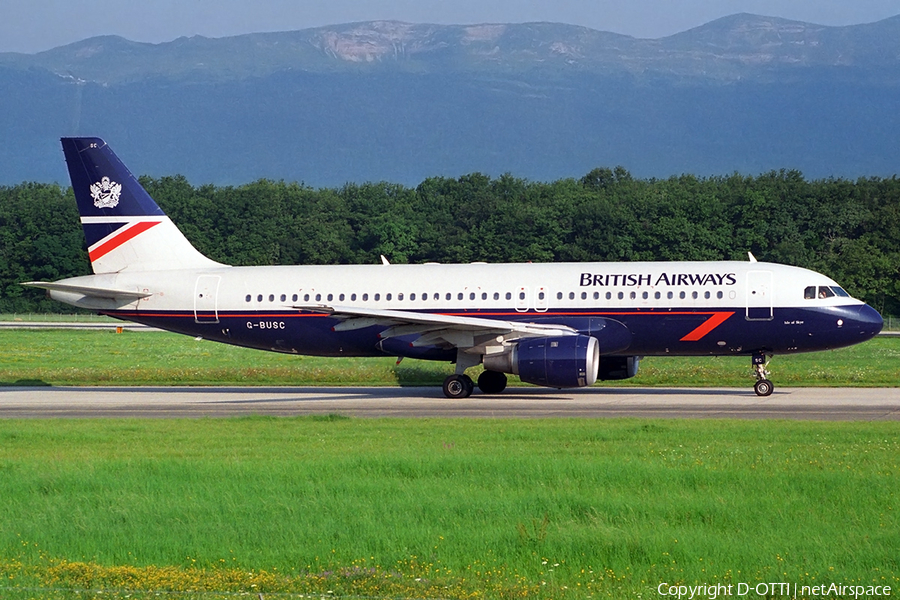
125 229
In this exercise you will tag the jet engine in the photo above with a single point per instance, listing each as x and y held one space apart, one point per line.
560 362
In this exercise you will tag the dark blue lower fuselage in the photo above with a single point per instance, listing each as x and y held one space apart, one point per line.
630 332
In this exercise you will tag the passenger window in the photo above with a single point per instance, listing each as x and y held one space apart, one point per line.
541 296
341 297
437 296
283 298
644 295
248 298
294 298
681 295
484 295
459 296
694 295
388 297
657 295
584 295
706 295
399 297
471 295
353 297
330 297
632 295
521 295
377 297
365 298
596 295
571 295
809 293
412 296
559 295
424 297
305 298
719 295
670 295
609 295
271 297
318 297
449 296
497 295
621 295
509 295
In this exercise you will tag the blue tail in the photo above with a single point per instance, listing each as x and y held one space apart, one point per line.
123 225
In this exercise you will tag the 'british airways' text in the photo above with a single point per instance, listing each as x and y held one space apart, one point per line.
672 279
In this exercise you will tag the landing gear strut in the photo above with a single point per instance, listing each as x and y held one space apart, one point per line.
762 387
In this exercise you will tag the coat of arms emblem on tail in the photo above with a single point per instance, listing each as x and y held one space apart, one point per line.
106 193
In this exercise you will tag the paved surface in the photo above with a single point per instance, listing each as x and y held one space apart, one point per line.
859 404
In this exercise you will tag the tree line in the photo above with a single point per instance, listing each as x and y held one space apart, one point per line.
848 230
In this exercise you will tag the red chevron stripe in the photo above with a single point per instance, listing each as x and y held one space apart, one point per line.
708 325
128 234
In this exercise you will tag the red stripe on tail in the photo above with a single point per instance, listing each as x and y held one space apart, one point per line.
128 234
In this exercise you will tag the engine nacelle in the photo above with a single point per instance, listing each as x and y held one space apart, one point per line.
565 361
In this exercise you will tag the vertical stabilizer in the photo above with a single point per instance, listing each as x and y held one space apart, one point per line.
124 227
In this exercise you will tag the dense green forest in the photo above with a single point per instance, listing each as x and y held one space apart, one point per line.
849 230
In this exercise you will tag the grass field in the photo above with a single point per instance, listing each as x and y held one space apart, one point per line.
75 357
442 508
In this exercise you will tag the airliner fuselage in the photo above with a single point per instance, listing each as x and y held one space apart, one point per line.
558 325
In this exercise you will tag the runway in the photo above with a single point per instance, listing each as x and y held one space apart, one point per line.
843 404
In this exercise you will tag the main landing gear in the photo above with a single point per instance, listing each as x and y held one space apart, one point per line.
762 387
458 386
462 386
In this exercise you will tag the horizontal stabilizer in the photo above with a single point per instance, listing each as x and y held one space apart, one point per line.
92 292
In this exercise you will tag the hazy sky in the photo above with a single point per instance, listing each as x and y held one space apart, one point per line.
35 25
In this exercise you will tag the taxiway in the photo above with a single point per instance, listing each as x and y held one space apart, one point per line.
847 404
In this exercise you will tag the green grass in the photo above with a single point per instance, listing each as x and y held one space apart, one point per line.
74 357
445 508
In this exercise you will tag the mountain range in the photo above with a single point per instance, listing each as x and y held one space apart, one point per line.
402 102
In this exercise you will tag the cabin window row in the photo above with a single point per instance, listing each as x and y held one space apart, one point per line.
682 295
424 297
377 297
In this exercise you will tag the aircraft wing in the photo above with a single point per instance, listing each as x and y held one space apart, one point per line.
475 335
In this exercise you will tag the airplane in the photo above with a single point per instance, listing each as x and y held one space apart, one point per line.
559 325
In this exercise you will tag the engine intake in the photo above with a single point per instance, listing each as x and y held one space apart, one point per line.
560 362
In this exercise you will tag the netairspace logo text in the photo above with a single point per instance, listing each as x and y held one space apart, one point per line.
771 590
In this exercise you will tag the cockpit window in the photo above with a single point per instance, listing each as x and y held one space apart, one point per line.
840 291
824 291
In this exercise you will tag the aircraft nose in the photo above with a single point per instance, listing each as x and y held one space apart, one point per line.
868 322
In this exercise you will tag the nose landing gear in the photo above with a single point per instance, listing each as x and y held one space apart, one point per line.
762 387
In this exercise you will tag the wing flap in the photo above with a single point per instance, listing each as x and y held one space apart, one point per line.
472 334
